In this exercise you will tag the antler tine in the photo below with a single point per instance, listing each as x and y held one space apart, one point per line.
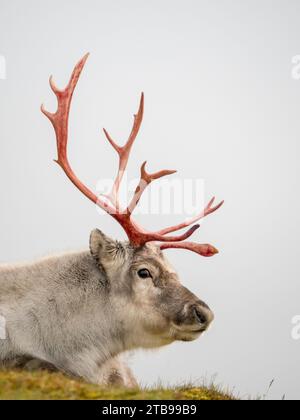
124 151
207 211
146 179
154 237
202 249
112 142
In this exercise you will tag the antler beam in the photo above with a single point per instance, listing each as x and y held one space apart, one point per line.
60 120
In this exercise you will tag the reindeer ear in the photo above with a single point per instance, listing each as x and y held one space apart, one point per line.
101 245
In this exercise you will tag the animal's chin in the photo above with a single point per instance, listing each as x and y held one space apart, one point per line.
187 335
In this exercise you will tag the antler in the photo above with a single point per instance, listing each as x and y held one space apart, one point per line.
146 179
208 210
136 234
59 121
204 250
124 152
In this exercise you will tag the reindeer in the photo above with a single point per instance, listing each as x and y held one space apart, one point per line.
78 313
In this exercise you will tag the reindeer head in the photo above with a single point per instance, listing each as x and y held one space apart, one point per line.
146 294
142 284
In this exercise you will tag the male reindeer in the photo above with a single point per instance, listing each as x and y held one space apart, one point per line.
79 312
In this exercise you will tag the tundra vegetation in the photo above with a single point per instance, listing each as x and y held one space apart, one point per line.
42 385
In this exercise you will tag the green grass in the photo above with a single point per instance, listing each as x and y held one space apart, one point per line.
22 385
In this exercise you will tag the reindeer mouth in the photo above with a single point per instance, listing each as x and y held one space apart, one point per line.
200 330
198 319
186 334
190 336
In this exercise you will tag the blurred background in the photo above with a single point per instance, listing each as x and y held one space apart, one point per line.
222 104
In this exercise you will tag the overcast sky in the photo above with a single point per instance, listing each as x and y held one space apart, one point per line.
222 104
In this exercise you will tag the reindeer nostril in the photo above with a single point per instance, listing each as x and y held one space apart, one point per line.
200 316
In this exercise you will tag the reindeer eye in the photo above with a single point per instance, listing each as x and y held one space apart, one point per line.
144 274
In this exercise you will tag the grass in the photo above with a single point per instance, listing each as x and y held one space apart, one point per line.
22 385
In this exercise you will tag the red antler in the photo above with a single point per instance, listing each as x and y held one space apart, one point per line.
204 250
146 179
208 210
136 234
124 152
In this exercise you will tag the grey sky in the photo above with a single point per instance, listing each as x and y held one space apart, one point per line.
221 104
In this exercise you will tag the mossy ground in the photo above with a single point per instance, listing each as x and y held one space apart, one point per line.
21 385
